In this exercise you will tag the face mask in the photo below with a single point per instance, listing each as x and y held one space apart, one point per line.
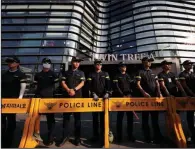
47 66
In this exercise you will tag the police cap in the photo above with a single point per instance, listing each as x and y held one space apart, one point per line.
147 59
121 64
12 59
76 59
46 60
165 62
187 62
98 61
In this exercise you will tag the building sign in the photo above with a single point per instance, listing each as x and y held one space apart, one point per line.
139 104
123 57
15 105
70 105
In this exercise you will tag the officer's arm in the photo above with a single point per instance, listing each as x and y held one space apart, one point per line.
180 87
158 87
81 84
108 85
116 86
55 78
89 85
183 83
163 87
138 80
23 82
63 83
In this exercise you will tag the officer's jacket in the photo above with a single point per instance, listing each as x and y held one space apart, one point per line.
99 83
189 77
73 79
122 84
11 83
147 80
169 80
45 83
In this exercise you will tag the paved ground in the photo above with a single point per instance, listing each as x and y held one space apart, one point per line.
87 132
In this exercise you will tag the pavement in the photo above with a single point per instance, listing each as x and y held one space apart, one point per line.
86 132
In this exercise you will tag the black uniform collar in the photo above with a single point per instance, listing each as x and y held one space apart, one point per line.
12 71
146 69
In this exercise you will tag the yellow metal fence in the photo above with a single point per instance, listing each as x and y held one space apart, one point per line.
35 106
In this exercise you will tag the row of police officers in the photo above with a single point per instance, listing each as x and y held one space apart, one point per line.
144 84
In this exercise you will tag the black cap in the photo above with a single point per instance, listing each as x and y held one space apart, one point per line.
121 64
98 61
12 59
187 62
147 59
165 62
46 60
76 59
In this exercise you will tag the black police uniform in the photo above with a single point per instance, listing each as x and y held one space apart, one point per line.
122 87
10 89
99 83
170 83
72 80
189 77
45 89
148 82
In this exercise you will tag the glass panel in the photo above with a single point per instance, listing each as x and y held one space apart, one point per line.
8 51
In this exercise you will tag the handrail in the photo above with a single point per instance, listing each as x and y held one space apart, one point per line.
36 106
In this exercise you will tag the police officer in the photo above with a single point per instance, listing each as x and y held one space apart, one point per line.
45 81
122 88
13 86
169 83
147 83
72 83
187 78
99 87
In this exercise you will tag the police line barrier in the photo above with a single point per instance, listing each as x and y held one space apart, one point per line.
19 106
37 106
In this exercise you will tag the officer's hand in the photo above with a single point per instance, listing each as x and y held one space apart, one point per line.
71 92
106 96
146 95
95 97
160 96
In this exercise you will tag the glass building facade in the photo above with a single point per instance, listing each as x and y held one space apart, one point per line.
59 29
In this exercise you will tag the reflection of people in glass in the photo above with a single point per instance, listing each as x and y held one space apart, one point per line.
13 86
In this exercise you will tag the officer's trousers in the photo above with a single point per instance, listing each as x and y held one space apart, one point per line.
119 124
7 129
50 124
190 121
97 125
155 124
77 124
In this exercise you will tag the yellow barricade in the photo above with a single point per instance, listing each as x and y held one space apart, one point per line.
185 104
18 106
137 104
36 106
15 105
58 105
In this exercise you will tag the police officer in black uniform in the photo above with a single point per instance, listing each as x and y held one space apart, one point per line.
147 83
45 81
122 88
187 78
169 83
72 83
99 87
13 86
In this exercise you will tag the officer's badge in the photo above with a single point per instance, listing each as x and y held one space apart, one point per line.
182 103
118 104
50 105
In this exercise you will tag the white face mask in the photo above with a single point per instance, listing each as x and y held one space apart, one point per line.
48 66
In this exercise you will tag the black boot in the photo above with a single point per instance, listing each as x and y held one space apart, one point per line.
63 140
131 138
49 140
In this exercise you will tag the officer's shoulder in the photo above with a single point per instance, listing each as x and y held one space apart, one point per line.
19 72
80 71
104 72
